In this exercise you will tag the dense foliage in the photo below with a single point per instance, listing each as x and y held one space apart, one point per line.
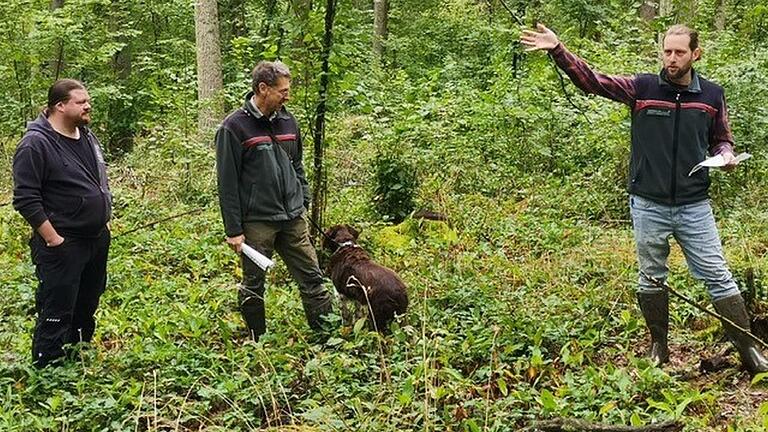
522 305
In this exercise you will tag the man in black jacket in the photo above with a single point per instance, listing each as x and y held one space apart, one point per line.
263 194
678 119
60 188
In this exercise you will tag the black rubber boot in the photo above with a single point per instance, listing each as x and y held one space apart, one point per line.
252 308
655 308
734 309
316 306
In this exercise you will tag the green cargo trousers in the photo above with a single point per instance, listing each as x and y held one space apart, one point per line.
291 241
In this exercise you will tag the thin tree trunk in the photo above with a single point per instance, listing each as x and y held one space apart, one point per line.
209 76
121 113
380 31
57 62
269 17
319 191
666 8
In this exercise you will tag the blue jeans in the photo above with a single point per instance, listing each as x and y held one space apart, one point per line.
693 226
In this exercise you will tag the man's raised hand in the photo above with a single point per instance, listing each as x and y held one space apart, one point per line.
543 39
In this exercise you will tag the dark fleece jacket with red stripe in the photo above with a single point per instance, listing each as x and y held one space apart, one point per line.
257 179
673 128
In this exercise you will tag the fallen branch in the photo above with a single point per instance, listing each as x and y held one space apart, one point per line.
575 425
151 224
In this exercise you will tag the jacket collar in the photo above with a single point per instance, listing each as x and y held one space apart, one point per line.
693 87
254 112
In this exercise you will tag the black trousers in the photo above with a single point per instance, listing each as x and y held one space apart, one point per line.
72 277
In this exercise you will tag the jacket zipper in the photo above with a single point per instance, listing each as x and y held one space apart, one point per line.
283 181
676 129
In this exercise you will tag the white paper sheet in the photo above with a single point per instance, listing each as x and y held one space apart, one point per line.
717 162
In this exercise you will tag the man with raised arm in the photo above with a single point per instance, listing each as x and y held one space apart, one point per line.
678 119
263 195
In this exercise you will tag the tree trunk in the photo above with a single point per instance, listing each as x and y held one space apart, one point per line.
380 32
122 114
209 76
57 61
319 191
720 15
666 7
302 8
269 16
648 10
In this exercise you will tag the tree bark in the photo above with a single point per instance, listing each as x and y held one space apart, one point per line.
720 15
319 190
666 7
209 75
380 31
648 10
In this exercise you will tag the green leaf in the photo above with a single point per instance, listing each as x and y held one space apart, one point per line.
334 341
472 426
547 400
759 378
607 407
359 324
502 386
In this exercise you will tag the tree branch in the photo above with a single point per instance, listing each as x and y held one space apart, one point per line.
576 425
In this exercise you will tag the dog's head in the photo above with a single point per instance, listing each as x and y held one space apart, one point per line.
337 235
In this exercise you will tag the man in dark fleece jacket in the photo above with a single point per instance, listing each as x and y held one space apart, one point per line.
60 188
263 194
678 119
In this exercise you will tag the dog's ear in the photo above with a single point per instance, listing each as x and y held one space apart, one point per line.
330 234
355 233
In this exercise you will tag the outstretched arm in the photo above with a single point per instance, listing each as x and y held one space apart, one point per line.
618 88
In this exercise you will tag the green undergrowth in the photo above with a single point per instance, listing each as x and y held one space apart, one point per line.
521 308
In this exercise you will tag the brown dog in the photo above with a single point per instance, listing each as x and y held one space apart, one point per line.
357 277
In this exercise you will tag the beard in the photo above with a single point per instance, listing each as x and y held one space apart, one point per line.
681 72
82 119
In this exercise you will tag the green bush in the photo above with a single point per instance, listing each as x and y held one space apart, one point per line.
395 188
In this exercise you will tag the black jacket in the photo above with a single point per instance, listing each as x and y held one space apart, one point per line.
52 183
257 180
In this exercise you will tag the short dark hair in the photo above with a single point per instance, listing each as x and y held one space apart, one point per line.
60 91
269 72
681 29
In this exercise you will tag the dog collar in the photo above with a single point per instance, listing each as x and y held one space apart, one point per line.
345 244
